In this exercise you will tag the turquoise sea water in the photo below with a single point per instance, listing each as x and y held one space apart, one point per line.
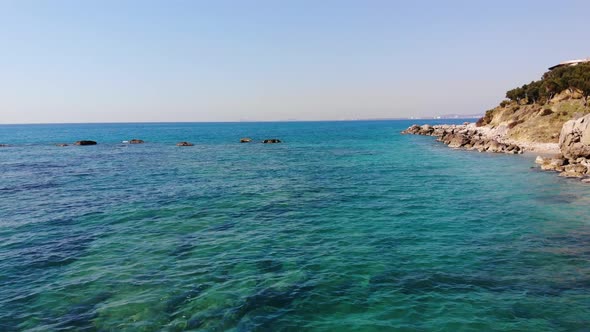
346 226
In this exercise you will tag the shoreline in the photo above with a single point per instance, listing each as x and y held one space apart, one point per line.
569 157
471 134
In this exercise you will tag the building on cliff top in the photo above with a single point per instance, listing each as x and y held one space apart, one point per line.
569 63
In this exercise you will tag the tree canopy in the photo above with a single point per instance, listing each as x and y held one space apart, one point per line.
552 83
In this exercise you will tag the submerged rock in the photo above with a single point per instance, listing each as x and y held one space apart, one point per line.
184 144
271 141
245 140
84 142
136 141
61 144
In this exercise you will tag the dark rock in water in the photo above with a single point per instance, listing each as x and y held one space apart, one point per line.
3 145
184 144
61 144
271 141
245 140
85 143
136 141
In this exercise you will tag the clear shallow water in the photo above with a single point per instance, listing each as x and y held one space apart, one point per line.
345 226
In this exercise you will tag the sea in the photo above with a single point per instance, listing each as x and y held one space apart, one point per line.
344 226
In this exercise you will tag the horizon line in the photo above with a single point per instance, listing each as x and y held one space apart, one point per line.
247 121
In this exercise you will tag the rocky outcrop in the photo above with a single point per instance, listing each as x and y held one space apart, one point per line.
184 144
574 138
551 164
245 140
271 141
465 136
85 143
136 141
574 143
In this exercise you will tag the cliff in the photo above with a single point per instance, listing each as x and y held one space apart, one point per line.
535 123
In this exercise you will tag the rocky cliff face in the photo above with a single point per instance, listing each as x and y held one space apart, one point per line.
574 139
574 143
535 123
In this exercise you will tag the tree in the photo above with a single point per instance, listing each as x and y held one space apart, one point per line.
532 91
554 82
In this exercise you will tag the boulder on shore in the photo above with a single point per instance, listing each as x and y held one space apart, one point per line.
551 164
184 144
574 138
573 171
136 141
245 140
84 142
457 140
271 141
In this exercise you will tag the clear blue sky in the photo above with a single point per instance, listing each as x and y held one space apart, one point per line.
111 61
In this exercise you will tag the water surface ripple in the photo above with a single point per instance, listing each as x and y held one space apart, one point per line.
346 226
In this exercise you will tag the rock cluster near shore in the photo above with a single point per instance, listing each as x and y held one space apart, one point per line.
466 137
574 143
573 161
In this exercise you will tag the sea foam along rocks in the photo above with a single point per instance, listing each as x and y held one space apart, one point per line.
85 142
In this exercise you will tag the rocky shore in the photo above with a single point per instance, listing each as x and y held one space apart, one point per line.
570 157
466 136
574 144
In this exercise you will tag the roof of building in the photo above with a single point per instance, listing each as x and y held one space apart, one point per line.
569 63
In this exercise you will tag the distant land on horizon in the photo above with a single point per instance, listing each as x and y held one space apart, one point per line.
436 117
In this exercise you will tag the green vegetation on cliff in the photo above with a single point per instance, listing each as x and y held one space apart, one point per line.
554 82
535 112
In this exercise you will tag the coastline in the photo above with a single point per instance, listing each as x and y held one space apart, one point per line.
469 135
570 157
